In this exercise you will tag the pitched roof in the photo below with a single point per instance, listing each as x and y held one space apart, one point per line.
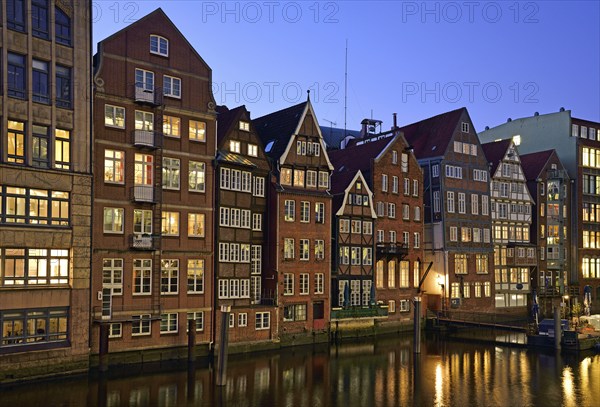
495 151
430 137
277 127
534 163
333 136
358 157
226 118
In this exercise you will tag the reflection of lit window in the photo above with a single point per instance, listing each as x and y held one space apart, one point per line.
517 140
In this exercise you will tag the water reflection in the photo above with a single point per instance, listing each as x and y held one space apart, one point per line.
383 373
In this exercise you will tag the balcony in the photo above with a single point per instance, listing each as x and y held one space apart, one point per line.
143 193
143 242
146 95
146 138
391 249
359 312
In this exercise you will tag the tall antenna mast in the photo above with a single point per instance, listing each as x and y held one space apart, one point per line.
346 88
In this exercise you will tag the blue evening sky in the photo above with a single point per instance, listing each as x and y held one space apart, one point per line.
500 59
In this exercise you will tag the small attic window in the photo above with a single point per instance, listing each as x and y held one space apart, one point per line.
244 125
269 146
465 127
159 45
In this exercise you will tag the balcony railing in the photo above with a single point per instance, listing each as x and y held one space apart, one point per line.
146 138
143 193
146 94
391 249
143 242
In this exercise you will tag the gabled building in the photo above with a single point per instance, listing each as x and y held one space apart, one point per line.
154 146
550 188
298 267
45 188
511 208
393 174
578 143
353 242
457 211
242 170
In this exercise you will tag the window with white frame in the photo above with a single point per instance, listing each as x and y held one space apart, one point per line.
112 275
344 225
344 255
404 164
311 178
395 184
462 207
435 170
484 205
172 86
319 249
320 212
114 166
244 125
404 306
197 130
474 204
394 157
380 236
304 284
159 45
257 221
404 280
196 176
263 320
259 186
252 150
453 171
171 171
367 227
415 187
289 210
113 220
304 211
367 256
436 201
355 256
391 210
450 201
168 323
169 280
356 226
242 319
406 238
391 306
392 236
288 284
304 249
384 182
417 215
140 325
115 330
144 80
170 223
195 276
196 224
406 189
405 211
288 248
198 316
142 276
114 116
299 178
235 146
460 263
171 126
319 283
453 233
417 240
144 120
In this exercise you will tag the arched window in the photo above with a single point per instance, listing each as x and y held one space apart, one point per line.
62 27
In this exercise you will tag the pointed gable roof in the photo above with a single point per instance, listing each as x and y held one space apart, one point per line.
226 118
430 137
534 163
160 18
358 157
345 181
278 127
495 151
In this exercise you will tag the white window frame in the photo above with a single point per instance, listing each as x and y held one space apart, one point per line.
171 91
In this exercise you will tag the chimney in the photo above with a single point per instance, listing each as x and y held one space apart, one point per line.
395 122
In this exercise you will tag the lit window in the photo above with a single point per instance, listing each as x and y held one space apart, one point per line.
114 116
170 173
253 150
197 130
170 223
196 224
16 142
244 125
113 220
114 162
196 175
171 126
195 276
235 146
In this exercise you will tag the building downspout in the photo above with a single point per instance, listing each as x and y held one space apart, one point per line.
91 166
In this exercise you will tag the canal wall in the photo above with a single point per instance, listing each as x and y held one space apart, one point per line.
43 363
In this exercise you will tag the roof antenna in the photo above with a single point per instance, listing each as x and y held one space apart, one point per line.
308 96
346 88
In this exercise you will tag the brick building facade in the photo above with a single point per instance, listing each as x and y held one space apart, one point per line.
154 146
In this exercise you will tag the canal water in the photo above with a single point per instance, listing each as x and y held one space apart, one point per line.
382 372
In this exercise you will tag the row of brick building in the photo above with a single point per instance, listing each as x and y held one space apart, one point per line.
131 205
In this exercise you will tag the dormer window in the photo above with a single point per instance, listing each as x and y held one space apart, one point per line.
159 45
244 126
